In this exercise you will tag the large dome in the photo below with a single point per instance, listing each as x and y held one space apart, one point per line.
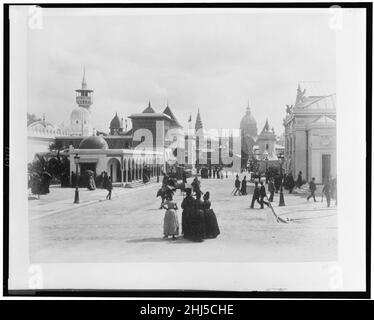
80 116
94 142
248 124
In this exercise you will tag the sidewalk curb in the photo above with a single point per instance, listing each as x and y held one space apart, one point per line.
50 213
89 202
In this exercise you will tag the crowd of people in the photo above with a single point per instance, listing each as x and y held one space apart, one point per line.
213 172
198 218
287 182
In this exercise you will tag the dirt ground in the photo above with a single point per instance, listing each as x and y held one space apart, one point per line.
129 228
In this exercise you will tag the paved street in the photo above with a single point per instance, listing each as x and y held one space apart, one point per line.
129 228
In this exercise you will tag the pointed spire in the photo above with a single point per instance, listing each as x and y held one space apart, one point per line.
266 127
248 110
149 109
198 123
84 84
170 113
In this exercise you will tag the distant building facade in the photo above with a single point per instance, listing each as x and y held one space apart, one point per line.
310 134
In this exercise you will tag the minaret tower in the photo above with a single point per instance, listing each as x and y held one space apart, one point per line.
84 95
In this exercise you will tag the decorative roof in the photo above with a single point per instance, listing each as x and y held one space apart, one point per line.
115 123
169 113
267 133
314 95
266 127
149 109
93 142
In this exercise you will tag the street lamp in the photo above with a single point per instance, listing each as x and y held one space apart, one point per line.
266 170
281 197
76 161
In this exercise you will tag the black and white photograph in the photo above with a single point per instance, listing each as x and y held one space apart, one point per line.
188 148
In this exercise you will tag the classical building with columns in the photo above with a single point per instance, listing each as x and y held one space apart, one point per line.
310 133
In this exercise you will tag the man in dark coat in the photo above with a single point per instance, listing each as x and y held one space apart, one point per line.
327 191
165 180
290 182
184 177
256 195
109 187
263 195
271 189
244 186
334 190
237 186
277 182
312 189
196 185
299 181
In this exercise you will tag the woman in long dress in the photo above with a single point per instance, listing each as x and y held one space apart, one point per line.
198 219
188 207
171 225
211 224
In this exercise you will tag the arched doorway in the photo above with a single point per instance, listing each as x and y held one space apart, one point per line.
114 169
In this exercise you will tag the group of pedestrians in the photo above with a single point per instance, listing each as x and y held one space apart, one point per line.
240 187
198 219
274 184
329 190
259 195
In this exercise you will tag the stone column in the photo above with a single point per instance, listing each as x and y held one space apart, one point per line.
122 170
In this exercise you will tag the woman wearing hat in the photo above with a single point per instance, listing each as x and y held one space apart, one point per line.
211 224
198 219
188 207
171 225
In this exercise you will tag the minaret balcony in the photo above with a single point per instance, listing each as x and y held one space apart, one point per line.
84 101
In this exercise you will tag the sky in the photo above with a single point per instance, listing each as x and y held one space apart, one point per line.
215 61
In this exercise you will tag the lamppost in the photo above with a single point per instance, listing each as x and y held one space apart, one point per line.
281 197
76 161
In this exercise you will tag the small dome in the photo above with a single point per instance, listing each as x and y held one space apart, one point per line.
93 142
115 123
